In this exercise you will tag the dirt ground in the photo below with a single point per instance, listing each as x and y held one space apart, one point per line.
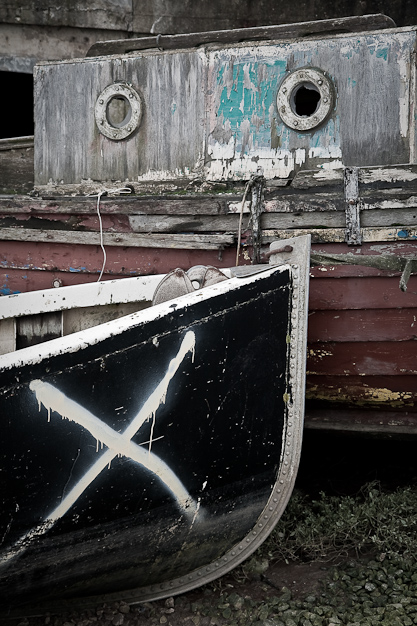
219 599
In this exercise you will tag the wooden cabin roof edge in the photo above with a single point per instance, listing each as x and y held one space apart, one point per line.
116 48
298 29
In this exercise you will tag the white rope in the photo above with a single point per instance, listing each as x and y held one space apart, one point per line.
99 194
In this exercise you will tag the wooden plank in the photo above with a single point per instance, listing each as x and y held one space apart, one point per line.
208 242
337 235
371 392
362 359
283 31
139 290
121 205
378 177
365 421
363 325
361 293
7 335
390 216
28 268
230 223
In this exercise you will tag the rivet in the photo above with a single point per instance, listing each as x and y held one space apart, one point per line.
240 547
320 82
284 90
101 101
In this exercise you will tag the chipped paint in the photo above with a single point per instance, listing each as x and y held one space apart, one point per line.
245 131
360 395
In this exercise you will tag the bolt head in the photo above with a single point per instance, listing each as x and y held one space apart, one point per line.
325 99
295 123
320 82
101 101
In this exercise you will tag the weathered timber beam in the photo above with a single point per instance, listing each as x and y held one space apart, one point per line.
360 420
206 242
383 262
375 176
177 205
282 31
337 235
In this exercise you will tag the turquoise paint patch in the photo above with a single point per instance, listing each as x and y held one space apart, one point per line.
382 53
173 107
248 97
351 82
248 105
5 291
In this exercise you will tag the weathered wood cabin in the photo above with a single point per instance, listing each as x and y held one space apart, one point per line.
311 128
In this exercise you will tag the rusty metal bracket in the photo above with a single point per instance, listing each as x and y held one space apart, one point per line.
353 235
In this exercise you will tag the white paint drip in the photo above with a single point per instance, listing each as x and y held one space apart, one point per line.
118 444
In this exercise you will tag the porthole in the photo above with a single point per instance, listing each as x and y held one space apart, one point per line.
118 111
305 99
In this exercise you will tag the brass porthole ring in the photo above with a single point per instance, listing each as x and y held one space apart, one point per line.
118 111
305 99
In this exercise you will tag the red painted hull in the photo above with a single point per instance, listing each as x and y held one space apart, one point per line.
362 351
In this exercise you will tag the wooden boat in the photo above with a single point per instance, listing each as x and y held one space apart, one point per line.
146 455
175 151
209 115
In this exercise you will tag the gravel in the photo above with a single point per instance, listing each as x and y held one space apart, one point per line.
357 592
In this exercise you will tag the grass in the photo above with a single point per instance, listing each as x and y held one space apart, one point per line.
330 527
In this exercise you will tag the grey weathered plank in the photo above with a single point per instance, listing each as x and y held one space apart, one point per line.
368 176
282 31
122 205
207 242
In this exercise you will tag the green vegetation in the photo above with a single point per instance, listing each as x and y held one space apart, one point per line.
330 526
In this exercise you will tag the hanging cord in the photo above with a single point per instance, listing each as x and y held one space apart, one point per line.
105 192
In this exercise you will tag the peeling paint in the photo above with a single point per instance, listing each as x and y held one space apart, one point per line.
361 395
